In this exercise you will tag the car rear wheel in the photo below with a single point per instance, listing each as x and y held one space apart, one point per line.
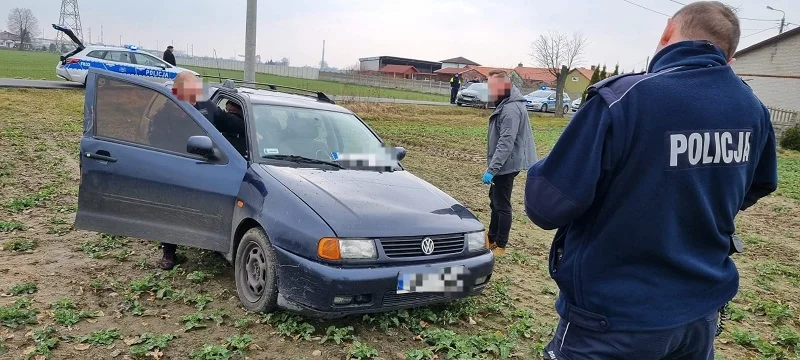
255 271
544 108
566 109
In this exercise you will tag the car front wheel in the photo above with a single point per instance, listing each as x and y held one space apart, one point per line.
544 108
566 109
256 278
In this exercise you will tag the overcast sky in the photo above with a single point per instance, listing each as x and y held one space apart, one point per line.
490 32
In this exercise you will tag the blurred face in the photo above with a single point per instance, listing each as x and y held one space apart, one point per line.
232 108
187 87
498 87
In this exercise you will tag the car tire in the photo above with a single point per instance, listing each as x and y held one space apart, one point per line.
544 108
255 272
458 104
566 109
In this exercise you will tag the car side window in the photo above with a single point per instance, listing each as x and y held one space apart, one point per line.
145 60
138 115
97 54
119 56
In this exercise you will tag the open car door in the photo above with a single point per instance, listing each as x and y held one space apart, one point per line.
78 44
138 175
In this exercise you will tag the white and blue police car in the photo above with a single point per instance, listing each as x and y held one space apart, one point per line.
74 65
544 100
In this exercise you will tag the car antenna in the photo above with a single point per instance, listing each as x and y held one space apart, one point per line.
219 72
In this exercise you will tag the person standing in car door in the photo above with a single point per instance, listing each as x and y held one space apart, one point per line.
510 150
169 57
187 87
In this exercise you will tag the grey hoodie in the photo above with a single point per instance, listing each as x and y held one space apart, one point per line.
511 147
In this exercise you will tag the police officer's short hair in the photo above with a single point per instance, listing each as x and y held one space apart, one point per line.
710 20
497 73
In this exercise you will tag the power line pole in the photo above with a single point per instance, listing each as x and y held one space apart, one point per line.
250 43
70 17
783 23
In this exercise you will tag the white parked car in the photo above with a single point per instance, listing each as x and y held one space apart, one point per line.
576 104
124 60
544 100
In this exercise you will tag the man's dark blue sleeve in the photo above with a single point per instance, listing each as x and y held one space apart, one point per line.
765 178
561 187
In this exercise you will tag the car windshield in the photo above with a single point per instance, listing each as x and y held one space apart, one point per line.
297 134
479 87
541 93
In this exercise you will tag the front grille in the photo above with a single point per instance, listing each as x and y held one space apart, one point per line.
391 298
405 247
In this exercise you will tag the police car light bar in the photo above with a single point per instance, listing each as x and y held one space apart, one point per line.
131 47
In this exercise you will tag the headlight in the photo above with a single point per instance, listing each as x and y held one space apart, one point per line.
476 241
339 249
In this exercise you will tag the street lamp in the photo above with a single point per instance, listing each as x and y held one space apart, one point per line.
783 19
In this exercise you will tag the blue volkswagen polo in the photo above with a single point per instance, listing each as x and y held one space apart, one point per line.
317 215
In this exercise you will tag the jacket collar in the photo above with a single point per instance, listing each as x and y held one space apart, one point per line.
516 95
688 53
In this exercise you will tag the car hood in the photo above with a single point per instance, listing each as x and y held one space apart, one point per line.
360 203
533 98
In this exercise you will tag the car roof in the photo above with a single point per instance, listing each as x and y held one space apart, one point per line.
112 48
280 98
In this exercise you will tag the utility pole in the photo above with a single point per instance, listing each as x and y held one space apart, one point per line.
783 18
250 42
101 35
647 64
90 37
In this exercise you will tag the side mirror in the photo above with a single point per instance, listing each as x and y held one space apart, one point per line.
200 145
399 153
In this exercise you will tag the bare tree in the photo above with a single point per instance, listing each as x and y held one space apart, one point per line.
559 54
24 23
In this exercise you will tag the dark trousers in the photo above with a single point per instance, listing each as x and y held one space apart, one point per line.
500 203
694 341
453 93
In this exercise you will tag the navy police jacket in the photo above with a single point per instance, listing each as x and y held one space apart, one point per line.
643 186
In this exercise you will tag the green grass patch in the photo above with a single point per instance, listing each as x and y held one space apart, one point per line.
9 226
102 337
23 289
149 342
32 200
34 65
66 312
789 175
359 350
101 248
19 245
18 314
45 340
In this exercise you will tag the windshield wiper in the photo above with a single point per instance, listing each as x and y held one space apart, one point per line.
302 159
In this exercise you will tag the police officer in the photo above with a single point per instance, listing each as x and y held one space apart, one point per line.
455 84
231 124
643 187
169 57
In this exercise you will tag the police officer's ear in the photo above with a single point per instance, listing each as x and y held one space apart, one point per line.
731 61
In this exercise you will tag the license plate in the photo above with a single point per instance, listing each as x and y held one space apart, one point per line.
449 279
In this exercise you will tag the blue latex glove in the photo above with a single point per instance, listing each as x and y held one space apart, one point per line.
487 178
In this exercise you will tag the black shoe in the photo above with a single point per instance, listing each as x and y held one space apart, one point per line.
167 262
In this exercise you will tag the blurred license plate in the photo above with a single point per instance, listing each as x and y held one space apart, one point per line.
449 279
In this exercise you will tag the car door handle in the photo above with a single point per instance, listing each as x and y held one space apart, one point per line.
100 156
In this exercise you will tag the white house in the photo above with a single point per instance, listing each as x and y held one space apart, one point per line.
772 69
458 62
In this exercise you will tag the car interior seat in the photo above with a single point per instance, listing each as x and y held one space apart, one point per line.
301 138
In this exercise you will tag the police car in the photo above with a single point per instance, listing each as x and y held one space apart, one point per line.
129 60
544 100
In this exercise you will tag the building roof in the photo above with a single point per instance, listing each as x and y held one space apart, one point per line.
484 70
398 69
772 40
452 70
461 60
400 59
586 72
5 35
538 74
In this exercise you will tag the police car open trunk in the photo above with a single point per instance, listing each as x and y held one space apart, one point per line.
78 44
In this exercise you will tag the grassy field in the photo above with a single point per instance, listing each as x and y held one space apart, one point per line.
76 294
41 66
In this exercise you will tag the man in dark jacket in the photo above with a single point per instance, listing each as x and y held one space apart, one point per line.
169 57
455 84
643 186
510 150
231 124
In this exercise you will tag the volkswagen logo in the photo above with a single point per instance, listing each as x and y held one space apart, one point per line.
427 246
